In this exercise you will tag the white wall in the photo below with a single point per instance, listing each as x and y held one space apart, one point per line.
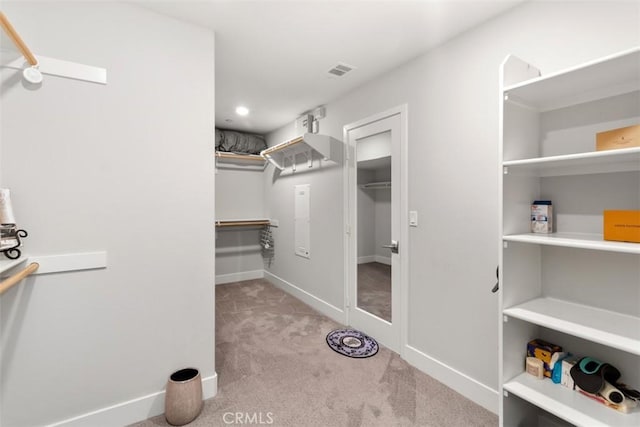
126 168
239 195
452 97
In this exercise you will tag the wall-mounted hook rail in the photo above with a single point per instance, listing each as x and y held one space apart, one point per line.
43 65
16 278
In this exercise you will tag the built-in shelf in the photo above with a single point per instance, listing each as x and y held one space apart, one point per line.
610 76
285 153
575 240
606 327
376 185
568 404
260 222
625 159
7 264
240 161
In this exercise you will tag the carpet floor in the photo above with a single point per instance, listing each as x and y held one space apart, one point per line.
275 368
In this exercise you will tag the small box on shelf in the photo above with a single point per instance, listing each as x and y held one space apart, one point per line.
544 351
542 217
614 139
622 226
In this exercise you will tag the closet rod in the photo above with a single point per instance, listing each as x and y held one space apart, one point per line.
281 146
13 280
241 223
17 40
225 155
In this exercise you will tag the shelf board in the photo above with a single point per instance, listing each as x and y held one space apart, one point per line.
568 404
594 324
625 159
609 76
7 264
575 240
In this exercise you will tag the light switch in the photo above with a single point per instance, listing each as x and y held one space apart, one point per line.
413 218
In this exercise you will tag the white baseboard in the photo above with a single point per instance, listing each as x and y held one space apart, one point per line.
134 410
239 277
374 258
322 306
454 379
383 259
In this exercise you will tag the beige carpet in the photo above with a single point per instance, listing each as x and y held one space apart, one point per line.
275 368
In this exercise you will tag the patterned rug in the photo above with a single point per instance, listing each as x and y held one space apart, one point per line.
352 343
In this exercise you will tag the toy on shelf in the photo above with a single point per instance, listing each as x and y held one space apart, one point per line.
599 381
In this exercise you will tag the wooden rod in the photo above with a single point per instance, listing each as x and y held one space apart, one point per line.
225 155
13 280
241 223
282 145
17 40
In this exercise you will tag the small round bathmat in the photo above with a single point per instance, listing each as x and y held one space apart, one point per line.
352 343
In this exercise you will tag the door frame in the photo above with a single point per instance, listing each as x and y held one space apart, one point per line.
350 221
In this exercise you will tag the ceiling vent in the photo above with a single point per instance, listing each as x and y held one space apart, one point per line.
340 70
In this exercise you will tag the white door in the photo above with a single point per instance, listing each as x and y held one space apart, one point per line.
374 223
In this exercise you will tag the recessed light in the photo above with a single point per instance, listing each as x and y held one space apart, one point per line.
242 111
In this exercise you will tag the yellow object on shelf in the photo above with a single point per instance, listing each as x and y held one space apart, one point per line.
618 138
622 226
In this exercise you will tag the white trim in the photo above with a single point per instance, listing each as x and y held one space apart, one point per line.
318 304
374 258
383 259
454 379
239 277
134 410
404 227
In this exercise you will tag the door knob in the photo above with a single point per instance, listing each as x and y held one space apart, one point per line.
393 246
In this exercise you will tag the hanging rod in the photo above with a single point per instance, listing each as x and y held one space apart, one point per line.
226 155
17 40
281 146
242 223
13 280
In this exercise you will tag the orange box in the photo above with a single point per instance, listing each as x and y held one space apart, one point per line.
622 226
618 138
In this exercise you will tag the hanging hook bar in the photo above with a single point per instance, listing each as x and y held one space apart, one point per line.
17 40
16 278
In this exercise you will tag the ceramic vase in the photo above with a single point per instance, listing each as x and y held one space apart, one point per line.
183 397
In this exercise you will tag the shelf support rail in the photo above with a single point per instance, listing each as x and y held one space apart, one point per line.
7 284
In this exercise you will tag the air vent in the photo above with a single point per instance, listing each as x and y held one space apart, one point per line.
340 69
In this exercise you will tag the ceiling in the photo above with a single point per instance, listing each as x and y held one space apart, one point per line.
274 56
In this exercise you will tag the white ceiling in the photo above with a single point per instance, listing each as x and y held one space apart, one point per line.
273 56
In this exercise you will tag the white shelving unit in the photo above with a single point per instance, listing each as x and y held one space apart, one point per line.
571 287
286 152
